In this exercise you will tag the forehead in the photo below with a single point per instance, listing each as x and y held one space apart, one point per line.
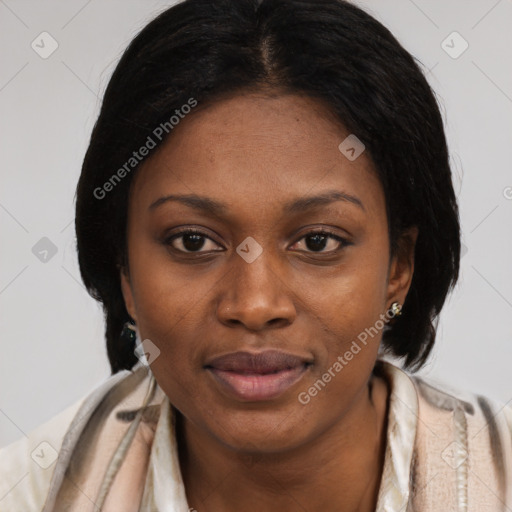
257 149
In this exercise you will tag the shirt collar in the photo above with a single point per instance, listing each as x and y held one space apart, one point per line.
165 490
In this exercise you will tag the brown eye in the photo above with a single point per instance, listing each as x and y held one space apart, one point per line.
317 241
190 240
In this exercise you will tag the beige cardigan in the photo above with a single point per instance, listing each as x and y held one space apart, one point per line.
446 451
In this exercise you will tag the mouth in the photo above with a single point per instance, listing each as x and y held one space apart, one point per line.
260 376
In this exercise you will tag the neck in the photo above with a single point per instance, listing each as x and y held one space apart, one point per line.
339 470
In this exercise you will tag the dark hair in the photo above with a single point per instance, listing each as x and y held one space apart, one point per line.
329 50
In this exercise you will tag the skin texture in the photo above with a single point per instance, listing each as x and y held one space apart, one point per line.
255 152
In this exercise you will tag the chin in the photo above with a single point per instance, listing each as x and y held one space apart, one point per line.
259 431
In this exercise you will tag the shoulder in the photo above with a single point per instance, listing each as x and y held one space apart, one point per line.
462 448
491 416
28 465
436 397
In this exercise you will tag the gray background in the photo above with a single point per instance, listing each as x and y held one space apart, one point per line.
52 347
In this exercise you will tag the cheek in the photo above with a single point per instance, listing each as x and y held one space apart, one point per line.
351 339
161 291
349 311
354 298
176 337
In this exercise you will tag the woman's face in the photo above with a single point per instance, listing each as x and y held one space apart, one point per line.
260 179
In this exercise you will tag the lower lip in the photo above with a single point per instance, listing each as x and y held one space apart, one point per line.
253 387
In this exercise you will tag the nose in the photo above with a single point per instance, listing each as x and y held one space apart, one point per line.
256 295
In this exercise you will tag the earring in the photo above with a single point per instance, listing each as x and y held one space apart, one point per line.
129 332
396 309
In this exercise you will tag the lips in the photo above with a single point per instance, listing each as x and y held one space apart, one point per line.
259 376
270 361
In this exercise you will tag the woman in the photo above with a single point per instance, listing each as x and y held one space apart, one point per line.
265 211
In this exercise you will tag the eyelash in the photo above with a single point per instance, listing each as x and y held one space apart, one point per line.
192 231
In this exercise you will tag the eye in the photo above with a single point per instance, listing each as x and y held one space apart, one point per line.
317 241
190 241
193 241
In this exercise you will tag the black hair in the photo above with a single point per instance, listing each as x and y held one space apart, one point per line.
330 50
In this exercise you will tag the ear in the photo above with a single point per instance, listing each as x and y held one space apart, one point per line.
401 267
127 293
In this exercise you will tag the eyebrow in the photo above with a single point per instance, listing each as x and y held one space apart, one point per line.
217 208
